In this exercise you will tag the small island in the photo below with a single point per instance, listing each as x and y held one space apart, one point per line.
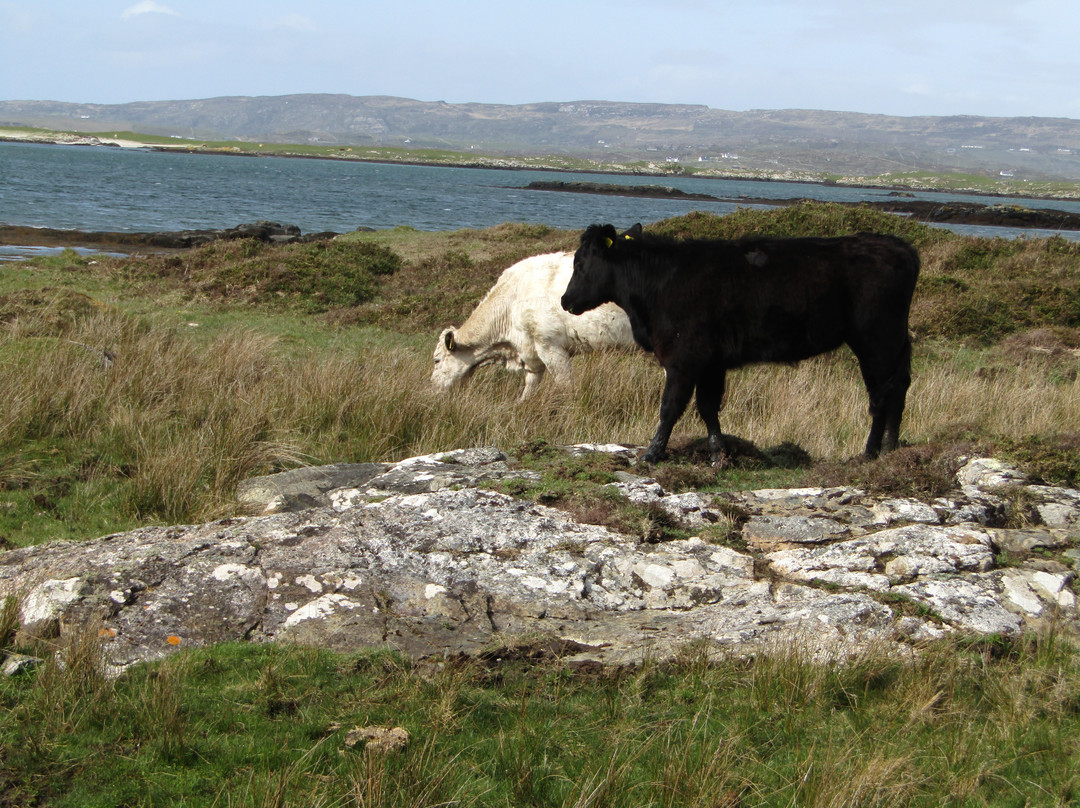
654 191
973 213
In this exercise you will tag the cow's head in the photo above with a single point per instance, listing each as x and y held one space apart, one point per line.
598 255
453 362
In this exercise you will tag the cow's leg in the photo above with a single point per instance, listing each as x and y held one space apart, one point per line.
710 395
533 376
896 399
677 391
887 383
557 362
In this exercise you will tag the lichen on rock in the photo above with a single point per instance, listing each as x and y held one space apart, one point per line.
416 557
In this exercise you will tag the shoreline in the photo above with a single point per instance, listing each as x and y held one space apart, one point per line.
1005 216
133 243
16 135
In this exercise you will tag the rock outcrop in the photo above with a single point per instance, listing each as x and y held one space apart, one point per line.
417 556
265 231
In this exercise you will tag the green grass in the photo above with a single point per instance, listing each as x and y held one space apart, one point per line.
580 485
990 724
801 219
982 290
965 182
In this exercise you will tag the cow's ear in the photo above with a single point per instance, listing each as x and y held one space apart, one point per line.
608 233
448 340
633 233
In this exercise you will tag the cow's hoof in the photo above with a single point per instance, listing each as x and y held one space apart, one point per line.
653 457
721 460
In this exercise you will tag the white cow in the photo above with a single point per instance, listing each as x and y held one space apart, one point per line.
521 324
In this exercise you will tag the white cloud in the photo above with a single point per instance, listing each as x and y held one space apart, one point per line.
146 7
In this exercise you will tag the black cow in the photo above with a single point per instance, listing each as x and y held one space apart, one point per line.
704 306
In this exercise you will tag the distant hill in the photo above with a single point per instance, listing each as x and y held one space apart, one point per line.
757 140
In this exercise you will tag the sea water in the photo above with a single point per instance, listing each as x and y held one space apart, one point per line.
138 190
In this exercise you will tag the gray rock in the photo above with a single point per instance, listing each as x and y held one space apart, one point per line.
1073 555
414 557
690 508
1035 591
891 511
628 453
1058 507
304 487
812 499
971 604
880 560
988 473
429 574
1026 540
340 485
637 489
767 532
437 472
13 664
981 507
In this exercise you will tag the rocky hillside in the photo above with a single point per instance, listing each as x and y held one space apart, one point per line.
421 557
764 140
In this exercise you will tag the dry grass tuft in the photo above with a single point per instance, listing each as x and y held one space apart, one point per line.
924 471
164 422
183 420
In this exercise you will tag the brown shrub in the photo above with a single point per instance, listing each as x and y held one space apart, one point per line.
923 472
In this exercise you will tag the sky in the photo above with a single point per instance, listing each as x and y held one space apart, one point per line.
999 58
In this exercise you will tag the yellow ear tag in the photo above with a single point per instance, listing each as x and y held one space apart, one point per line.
628 237
608 242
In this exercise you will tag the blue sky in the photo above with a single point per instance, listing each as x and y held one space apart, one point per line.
916 57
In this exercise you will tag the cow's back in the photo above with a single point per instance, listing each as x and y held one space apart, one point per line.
537 314
762 299
501 314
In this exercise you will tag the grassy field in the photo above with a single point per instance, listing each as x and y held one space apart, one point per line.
965 724
141 390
